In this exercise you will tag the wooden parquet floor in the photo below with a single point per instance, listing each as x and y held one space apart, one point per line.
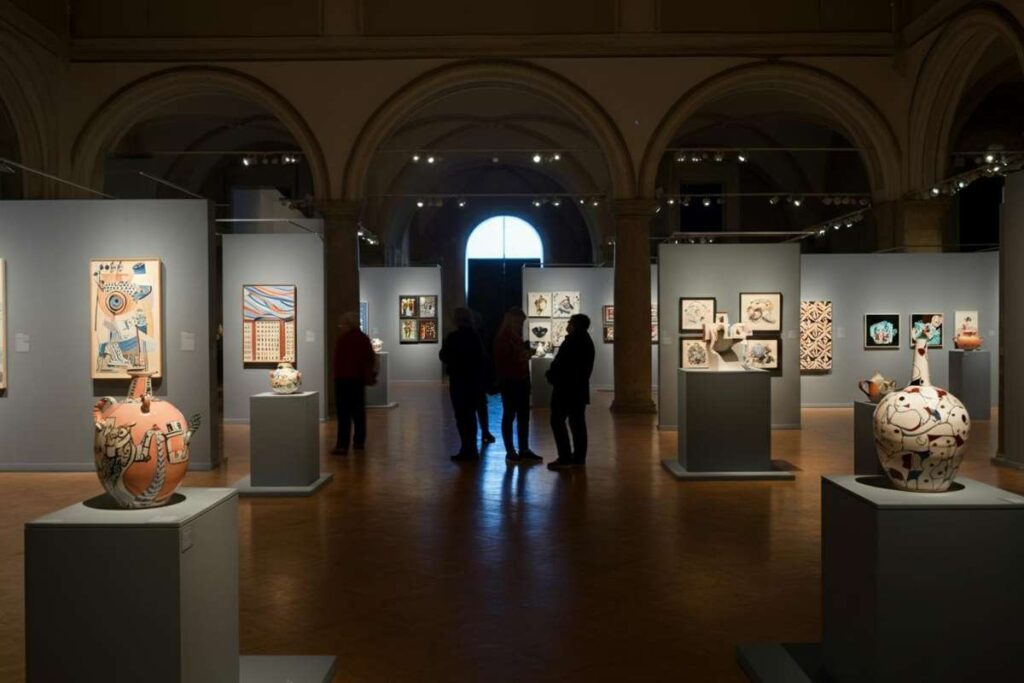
410 568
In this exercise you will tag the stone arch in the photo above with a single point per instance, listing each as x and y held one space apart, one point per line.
848 107
137 99
460 76
27 109
944 79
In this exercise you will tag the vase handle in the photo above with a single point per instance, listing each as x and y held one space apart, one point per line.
860 385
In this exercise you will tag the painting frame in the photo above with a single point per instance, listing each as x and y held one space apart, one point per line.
873 319
426 306
538 304
689 360
685 302
535 324
608 314
965 321
916 318
408 306
762 324
564 312
774 344
816 335
146 273
408 331
259 297
608 334
427 331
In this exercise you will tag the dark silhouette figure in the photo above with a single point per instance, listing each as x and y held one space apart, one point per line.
462 353
569 377
355 366
512 368
486 383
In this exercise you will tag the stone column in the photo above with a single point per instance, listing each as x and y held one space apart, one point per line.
341 270
633 306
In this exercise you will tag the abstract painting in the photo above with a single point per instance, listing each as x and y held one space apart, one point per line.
761 354
539 330
694 312
917 324
608 334
882 331
565 304
408 331
125 322
428 331
965 321
407 307
364 317
3 328
268 323
608 315
539 304
761 311
427 306
815 336
693 354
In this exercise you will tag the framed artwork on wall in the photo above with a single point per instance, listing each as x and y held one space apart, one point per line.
654 324
125 317
608 334
538 304
407 307
881 330
965 321
761 354
268 324
364 317
408 331
539 330
558 331
815 336
918 321
761 311
608 315
694 312
3 327
565 304
427 306
693 354
428 331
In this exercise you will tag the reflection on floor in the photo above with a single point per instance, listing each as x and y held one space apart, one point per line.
409 567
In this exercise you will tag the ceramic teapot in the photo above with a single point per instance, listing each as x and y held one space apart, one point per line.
876 387
286 379
968 340
377 345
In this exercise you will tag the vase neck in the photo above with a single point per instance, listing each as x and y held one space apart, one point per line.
920 376
142 385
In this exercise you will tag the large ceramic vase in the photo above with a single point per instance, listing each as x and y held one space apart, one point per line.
285 379
921 431
141 445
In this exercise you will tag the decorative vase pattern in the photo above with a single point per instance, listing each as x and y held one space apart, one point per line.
877 387
286 379
377 345
968 340
141 445
921 431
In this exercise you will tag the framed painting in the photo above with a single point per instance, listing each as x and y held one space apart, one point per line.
882 331
761 311
693 354
965 321
918 322
608 315
407 307
608 334
694 312
364 317
3 327
538 304
428 332
558 332
815 336
761 354
654 333
427 306
539 330
268 323
408 331
565 304
125 321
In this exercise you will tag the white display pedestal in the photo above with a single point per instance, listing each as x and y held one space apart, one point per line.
970 380
284 445
123 596
865 457
724 426
915 586
379 394
540 389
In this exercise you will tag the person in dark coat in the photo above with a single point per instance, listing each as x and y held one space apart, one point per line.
355 366
569 377
486 383
512 368
462 353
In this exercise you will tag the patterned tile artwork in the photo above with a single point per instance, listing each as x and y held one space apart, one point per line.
268 323
815 336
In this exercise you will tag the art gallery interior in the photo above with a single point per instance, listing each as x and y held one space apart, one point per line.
796 227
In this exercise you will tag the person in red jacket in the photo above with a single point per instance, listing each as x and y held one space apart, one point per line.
512 368
355 366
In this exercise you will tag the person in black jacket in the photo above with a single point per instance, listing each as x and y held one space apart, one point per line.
569 377
462 353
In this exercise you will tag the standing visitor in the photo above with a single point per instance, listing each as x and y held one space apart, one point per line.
512 368
355 366
569 377
462 353
486 382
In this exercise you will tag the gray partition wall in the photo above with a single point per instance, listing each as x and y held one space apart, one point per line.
380 287
597 288
45 414
285 259
723 271
895 283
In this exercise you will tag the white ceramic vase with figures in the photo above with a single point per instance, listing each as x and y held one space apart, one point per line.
285 379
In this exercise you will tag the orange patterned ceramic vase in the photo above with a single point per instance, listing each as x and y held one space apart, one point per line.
141 445
967 340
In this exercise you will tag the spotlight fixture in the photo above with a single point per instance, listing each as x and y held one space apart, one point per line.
419 204
706 201
594 203
686 201
996 168
773 201
557 156
536 158
821 232
495 160
741 157
849 224
671 202
989 158
936 191
556 202
536 202
797 201
462 203
719 157
246 161
431 159
681 159
962 184
415 158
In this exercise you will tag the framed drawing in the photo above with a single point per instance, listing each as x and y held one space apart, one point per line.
565 304
608 334
761 354
693 354
965 321
761 311
538 304
539 330
268 323
608 315
917 325
407 307
694 312
427 306
428 332
815 336
125 320
3 328
558 332
654 323
408 331
364 317
881 331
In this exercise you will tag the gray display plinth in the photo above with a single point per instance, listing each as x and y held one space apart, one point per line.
915 586
724 426
865 457
540 389
970 380
379 395
284 445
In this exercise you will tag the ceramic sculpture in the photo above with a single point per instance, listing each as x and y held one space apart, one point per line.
377 344
721 338
877 387
285 379
967 340
141 445
921 431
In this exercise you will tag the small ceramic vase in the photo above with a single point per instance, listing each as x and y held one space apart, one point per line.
285 379
377 345
921 431
877 387
968 340
141 445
